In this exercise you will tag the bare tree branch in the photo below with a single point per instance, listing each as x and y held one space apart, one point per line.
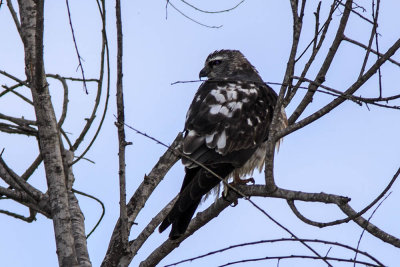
371 38
336 222
16 182
80 66
139 198
123 216
189 18
320 78
200 220
14 16
345 38
356 99
14 129
354 87
136 244
212 12
324 29
287 80
363 231
281 240
31 218
18 121
359 14
341 202
11 89
25 176
65 98
102 208
296 257
23 198
258 190
104 60
371 228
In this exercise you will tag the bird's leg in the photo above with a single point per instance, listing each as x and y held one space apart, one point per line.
238 181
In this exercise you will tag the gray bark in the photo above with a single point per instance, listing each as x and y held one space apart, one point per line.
31 15
77 217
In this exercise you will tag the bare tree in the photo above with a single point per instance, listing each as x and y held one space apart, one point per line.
57 150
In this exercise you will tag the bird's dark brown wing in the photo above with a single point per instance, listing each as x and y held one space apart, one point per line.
228 116
225 124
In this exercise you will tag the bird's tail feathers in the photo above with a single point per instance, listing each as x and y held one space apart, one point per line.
164 225
196 183
180 225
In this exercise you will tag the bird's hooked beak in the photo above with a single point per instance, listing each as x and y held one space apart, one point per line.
204 72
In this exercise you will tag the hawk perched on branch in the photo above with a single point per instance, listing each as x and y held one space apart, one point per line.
226 129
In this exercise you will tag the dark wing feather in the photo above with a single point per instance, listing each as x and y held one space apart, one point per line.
227 117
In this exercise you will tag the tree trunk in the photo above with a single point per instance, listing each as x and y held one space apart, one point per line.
31 16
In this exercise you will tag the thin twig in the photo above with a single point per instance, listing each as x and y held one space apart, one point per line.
189 18
317 30
371 228
371 38
74 79
24 199
363 231
212 12
15 17
349 218
320 78
358 14
19 121
103 208
9 89
356 99
12 77
13 129
283 240
17 183
104 59
295 257
333 104
345 38
31 218
76 47
65 97
291 92
375 16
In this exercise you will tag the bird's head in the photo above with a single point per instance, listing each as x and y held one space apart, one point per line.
228 64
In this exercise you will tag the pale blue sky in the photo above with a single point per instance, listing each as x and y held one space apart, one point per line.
351 151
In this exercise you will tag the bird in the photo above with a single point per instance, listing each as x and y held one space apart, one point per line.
226 130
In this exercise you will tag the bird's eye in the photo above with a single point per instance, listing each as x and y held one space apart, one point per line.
215 62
